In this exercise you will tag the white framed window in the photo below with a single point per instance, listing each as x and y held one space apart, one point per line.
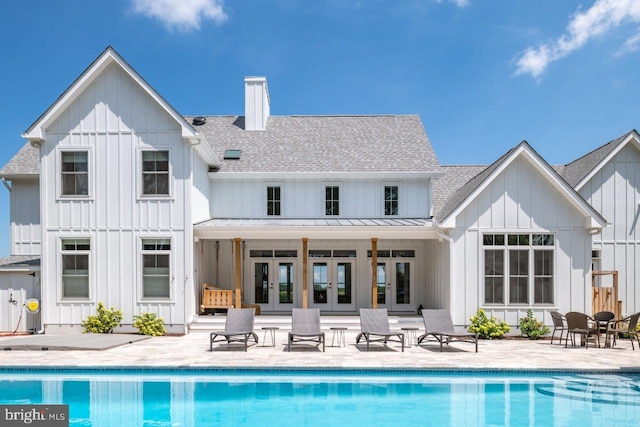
391 200
74 173
156 268
274 200
518 268
332 200
75 254
156 173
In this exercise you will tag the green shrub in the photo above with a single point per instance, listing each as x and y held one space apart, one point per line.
488 328
532 327
149 324
104 322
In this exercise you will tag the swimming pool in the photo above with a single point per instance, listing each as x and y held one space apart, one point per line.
197 397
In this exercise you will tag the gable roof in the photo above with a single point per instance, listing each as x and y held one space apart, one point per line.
469 191
453 178
25 164
36 132
323 144
578 172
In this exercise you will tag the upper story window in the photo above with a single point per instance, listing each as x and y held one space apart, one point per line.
332 200
391 200
273 201
518 268
155 173
75 173
75 268
156 271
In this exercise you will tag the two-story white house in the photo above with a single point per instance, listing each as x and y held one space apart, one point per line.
118 198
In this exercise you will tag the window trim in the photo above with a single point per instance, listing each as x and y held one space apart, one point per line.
141 253
59 173
532 247
140 174
62 252
324 199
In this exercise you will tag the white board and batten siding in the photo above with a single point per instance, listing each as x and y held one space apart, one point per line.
25 217
614 191
115 120
305 198
520 200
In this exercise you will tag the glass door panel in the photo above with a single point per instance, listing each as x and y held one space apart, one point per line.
382 284
343 281
320 283
261 282
285 283
402 286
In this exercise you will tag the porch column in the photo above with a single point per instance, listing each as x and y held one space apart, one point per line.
237 241
374 272
305 289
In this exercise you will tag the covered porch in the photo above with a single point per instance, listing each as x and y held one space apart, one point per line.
336 265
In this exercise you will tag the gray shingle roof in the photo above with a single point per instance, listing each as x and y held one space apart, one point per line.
19 261
303 144
447 185
575 171
25 162
323 144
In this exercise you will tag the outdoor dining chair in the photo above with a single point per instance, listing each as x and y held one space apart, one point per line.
559 324
627 327
578 324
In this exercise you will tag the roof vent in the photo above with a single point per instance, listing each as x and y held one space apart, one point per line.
199 121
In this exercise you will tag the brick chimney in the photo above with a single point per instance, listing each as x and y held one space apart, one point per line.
256 103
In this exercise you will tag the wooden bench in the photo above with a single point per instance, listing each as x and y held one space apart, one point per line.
214 297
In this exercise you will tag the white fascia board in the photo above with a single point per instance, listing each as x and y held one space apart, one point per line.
593 218
417 232
324 175
204 148
633 138
36 133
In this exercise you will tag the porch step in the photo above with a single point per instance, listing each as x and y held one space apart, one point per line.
283 321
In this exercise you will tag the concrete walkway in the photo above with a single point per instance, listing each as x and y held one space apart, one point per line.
192 350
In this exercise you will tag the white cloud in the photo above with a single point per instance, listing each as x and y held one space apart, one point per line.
632 44
460 3
183 15
602 17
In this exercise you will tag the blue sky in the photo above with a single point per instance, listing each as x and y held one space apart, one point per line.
482 74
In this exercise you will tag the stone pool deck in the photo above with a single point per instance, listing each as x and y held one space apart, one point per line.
192 350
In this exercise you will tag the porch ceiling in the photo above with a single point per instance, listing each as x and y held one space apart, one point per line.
317 228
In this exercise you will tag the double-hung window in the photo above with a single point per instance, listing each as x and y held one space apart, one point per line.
156 270
518 268
273 201
391 200
332 200
155 173
75 173
75 268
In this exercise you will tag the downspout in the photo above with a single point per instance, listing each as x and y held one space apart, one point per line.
4 181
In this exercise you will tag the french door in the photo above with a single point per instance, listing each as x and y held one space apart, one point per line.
333 285
395 285
273 284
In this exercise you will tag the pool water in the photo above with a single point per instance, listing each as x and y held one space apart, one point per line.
331 398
